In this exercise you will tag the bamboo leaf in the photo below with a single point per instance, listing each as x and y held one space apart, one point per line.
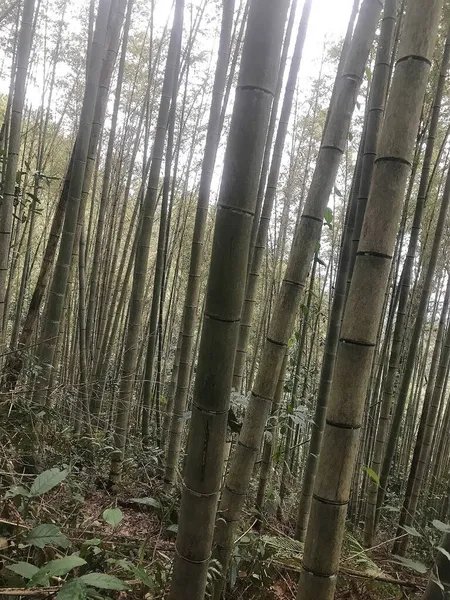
147 502
444 527
371 473
410 564
33 197
443 551
328 216
411 530
143 576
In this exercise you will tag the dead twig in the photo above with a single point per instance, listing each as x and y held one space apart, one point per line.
417 584
44 591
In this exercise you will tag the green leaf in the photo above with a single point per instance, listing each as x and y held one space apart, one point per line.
328 216
173 528
147 502
371 473
94 594
123 563
17 490
233 575
47 481
92 542
39 579
24 569
444 527
410 530
103 581
62 566
141 574
437 582
33 197
368 74
72 590
410 564
113 516
46 534
443 551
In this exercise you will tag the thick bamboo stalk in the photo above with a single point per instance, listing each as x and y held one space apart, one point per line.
386 446
306 236
365 303
189 317
436 381
12 161
224 297
257 253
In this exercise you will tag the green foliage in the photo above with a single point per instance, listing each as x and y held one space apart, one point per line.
411 564
17 490
43 483
214 574
359 556
444 527
73 590
46 534
49 534
328 217
137 571
172 528
411 530
24 569
148 502
371 473
252 555
46 481
103 581
62 566
444 552
113 516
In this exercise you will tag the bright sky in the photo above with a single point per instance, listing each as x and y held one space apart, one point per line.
328 21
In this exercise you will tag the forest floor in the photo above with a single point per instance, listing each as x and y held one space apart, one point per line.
136 543
141 525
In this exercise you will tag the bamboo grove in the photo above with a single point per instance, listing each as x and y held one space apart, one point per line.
225 279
